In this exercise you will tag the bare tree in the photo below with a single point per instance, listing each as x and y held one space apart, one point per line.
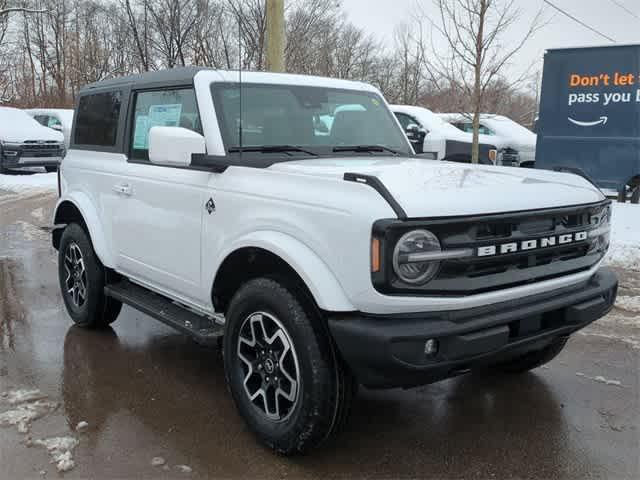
473 31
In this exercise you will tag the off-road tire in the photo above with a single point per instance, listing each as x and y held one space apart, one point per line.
326 388
534 359
97 310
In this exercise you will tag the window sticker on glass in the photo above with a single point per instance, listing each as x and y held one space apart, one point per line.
375 102
141 130
165 115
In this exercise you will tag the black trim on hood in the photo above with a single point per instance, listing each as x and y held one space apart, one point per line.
378 186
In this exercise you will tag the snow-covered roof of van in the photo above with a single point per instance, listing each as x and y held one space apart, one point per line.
587 47
186 75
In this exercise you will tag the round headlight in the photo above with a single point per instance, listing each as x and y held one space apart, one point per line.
407 253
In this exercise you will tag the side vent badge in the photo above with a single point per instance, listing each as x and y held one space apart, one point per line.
210 206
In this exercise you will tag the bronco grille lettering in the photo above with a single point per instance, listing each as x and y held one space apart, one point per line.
527 245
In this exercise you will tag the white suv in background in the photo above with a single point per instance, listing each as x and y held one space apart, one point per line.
59 119
323 256
441 140
26 143
516 144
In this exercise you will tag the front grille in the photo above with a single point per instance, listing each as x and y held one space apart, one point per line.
479 274
35 148
510 157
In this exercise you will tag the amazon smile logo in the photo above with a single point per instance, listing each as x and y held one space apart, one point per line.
603 120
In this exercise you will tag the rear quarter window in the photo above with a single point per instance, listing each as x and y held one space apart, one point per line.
97 119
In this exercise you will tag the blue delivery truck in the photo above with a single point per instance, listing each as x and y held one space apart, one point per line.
589 121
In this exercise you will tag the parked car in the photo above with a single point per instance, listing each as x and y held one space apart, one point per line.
322 261
26 143
590 116
59 119
516 144
430 134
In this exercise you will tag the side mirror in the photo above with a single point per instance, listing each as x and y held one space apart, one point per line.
174 145
56 127
416 135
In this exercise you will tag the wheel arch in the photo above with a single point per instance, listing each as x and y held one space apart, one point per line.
269 253
79 209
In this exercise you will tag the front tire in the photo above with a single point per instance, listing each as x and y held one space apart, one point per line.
282 369
534 359
82 280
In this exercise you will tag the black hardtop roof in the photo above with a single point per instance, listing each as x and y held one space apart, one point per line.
172 76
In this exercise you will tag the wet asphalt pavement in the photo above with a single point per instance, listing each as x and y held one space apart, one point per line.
146 391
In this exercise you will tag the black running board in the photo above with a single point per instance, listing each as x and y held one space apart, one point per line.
203 329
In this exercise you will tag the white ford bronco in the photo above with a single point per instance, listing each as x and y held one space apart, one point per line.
288 219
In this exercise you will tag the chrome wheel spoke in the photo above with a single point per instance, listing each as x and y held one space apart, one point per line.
269 365
76 276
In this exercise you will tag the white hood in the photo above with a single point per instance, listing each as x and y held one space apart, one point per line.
18 126
427 188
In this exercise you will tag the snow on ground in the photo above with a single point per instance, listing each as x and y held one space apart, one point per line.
20 182
60 449
625 236
27 405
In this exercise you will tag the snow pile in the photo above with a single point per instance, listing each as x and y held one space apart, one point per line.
601 379
24 414
60 449
39 181
628 304
625 236
14 397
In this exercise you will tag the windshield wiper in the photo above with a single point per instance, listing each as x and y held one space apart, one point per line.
365 148
272 149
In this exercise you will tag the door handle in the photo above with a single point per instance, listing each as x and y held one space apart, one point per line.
123 189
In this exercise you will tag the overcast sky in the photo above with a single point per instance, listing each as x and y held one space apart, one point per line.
381 17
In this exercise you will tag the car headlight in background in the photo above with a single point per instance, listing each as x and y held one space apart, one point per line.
415 257
10 149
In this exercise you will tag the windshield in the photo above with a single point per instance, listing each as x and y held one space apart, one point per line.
314 118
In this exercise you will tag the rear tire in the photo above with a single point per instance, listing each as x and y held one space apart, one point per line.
274 338
82 279
534 359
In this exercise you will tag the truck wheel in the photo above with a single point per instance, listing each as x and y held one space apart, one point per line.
635 196
82 277
534 359
282 369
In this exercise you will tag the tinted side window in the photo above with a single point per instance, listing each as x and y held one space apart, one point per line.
167 108
42 119
406 120
97 119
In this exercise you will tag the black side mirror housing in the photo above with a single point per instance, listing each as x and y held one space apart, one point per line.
416 135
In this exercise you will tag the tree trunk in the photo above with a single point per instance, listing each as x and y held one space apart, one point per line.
477 86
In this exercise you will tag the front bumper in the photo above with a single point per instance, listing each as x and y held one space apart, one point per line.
388 351
24 161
